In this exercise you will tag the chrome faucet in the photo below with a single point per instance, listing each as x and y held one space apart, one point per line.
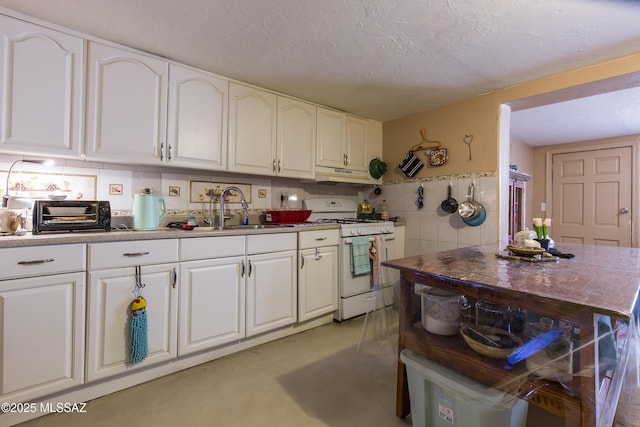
245 206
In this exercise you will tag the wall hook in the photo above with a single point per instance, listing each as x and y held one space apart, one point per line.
467 140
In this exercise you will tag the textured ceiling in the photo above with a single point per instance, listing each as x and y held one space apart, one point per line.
381 59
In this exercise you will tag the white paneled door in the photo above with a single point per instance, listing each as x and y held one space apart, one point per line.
592 197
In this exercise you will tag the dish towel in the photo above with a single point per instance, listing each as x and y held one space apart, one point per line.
359 260
378 255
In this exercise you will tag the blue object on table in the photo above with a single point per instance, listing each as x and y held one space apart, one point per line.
534 345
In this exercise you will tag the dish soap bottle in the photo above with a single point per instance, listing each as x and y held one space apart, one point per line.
385 211
365 207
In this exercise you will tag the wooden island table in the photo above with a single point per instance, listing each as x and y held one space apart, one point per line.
598 281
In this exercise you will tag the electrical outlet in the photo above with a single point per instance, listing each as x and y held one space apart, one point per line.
543 206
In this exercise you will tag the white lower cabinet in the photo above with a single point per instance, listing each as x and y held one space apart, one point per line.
271 282
317 273
42 321
111 292
212 292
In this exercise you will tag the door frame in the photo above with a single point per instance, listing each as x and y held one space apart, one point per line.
632 141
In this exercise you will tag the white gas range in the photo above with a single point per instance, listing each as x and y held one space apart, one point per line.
355 290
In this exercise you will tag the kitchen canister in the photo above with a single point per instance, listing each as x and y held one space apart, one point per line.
441 311
148 209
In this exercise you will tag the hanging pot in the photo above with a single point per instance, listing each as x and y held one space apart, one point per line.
470 209
449 205
474 222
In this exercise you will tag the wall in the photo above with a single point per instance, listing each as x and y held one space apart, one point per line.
480 117
133 178
521 154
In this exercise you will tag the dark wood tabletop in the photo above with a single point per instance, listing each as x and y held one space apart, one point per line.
604 279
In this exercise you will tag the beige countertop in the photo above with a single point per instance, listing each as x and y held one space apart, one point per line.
29 239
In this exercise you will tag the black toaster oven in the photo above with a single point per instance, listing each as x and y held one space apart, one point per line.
71 215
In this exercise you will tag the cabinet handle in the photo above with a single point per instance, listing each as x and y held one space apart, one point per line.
131 254
170 153
318 255
344 159
250 268
162 151
278 166
36 261
174 278
301 261
242 269
319 239
273 166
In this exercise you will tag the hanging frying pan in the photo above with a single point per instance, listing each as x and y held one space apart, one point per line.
474 222
469 209
450 205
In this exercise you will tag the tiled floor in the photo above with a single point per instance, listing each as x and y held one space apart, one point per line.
315 378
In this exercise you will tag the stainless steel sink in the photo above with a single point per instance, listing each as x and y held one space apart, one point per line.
250 227
238 227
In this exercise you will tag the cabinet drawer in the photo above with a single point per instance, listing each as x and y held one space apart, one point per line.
264 243
314 239
211 247
42 260
127 254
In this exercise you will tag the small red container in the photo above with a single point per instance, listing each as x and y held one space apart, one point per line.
286 216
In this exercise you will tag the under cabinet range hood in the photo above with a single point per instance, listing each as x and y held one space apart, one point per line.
344 176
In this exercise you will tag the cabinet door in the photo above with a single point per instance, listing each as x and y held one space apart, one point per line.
252 130
296 139
330 150
42 328
211 303
271 291
41 95
374 140
109 309
317 282
197 124
357 144
126 106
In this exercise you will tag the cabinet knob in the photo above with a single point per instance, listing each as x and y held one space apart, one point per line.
624 210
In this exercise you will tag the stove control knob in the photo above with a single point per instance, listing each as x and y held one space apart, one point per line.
352 232
359 232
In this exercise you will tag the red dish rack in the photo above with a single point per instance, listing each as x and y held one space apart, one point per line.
286 216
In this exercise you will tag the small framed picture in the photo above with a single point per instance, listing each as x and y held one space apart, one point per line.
174 191
115 189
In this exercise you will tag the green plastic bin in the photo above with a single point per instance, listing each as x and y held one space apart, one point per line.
441 397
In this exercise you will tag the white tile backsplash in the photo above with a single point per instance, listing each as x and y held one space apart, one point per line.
430 229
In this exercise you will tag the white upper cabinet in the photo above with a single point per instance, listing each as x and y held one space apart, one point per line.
330 150
374 140
41 90
197 122
270 134
296 136
356 144
252 130
126 106
342 141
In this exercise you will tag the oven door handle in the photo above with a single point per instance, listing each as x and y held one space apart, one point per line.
350 241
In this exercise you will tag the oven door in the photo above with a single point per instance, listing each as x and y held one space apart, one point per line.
358 284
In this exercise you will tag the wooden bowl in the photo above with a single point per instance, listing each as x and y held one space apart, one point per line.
529 252
486 349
